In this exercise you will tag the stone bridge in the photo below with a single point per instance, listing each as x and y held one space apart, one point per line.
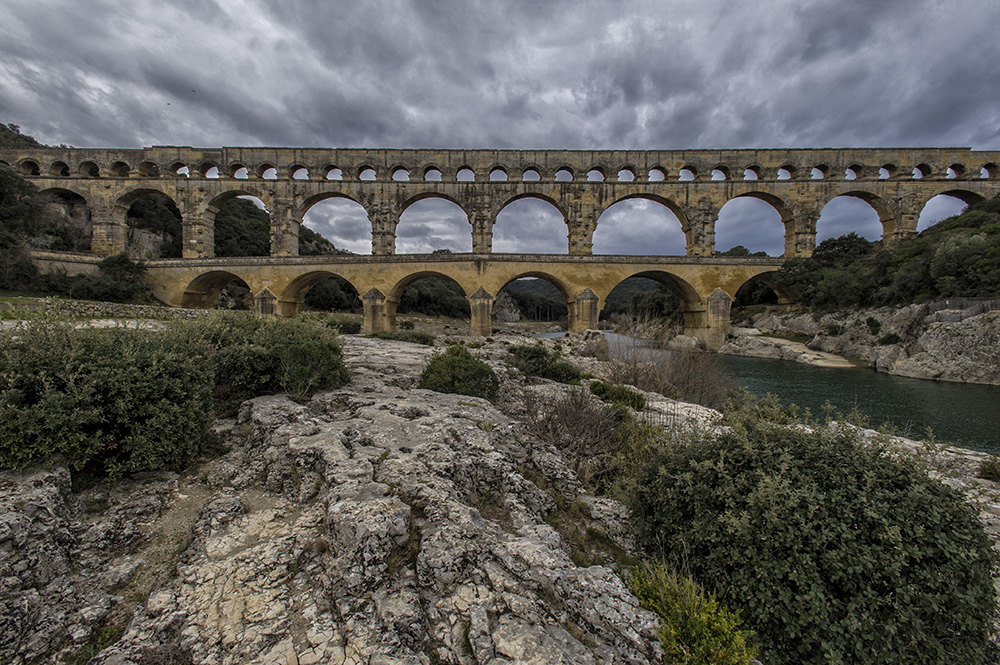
693 184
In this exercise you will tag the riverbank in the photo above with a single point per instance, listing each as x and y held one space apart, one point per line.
943 341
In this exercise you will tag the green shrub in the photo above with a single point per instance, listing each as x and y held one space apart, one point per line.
406 325
989 468
413 336
837 552
456 371
101 401
344 325
538 361
618 394
694 628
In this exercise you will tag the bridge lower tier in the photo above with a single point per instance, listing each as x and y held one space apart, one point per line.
705 286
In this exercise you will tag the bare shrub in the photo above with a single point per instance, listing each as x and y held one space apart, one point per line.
691 376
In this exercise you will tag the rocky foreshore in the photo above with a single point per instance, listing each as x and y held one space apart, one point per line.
378 524
945 342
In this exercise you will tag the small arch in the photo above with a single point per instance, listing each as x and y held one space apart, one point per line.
432 222
239 172
299 172
887 171
720 173
212 173
207 167
28 167
400 174
120 170
465 174
921 171
340 219
640 225
595 175
626 175
950 173
530 175
212 290
367 174
817 173
148 169
656 175
323 290
334 173
852 172
89 169
531 224
784 173
752 173
433 174
267 172
59 169
180 169
534 296
498 175
564 175
432 293
686 174
988 170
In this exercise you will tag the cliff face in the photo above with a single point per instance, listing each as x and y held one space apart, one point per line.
376 524
944 344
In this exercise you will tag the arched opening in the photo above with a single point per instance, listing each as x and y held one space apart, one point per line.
784 173
748 225
887 171
28 167
333 173
846 214
987 171
63 219
269 173
323 291
639 226
530 175
153 226
341 221
943 206
851 173
754 292
685 175
531 298
300 173
921 171
401 175
626 175
595 175
59 169
465 175
531 225
432 175
432 294
657 175
719 174
751 173
242 227
218 289
431 224
564 175
817 173
650 296
148 170
498 175
212 173
178 169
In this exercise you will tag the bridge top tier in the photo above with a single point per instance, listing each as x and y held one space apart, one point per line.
486 165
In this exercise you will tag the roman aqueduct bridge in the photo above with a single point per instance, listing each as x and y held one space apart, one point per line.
693 184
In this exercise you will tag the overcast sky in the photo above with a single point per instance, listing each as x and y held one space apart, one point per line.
658 74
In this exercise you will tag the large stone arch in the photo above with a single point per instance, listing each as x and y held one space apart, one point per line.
785 297
291 297
555 203
782 206
888 215
692 235
450 213
69 209
117 230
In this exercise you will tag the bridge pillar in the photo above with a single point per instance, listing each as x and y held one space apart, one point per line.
482 231
197 239
710 324
481 304
585 311
800 234
378 317
384 225
284 229
107 235
700 231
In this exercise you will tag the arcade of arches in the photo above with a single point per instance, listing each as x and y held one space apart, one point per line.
580 185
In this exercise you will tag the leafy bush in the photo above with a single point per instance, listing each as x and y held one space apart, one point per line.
694 628
837 552
538 361
344 325
456 371
101 401
989 468
617 394
415 337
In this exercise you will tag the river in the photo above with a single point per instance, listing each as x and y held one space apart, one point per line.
962 414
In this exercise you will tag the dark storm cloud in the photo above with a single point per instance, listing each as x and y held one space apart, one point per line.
458 73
